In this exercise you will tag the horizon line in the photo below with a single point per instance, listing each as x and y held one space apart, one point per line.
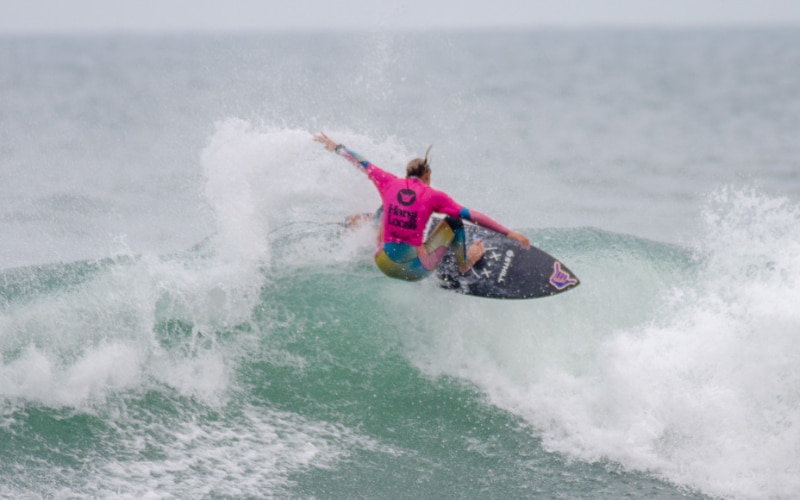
175 30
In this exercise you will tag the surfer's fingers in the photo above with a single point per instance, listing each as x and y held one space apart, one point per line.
520 238
326 141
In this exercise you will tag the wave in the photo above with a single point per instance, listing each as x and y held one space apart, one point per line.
170 363
674 360
677 362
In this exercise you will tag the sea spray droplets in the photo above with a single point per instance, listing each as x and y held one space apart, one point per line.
713 381
751 229
231 164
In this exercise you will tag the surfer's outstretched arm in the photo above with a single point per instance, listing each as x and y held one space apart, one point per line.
354 158
489 223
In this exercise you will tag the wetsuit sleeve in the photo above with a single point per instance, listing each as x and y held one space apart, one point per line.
483 221
377 175
353 157
447 205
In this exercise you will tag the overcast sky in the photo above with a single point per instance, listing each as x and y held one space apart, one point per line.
59 16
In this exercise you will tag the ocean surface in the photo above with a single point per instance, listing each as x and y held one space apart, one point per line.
181 316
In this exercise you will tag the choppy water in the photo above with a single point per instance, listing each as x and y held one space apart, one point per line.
178 318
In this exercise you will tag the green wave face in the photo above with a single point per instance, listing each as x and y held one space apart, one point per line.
187 375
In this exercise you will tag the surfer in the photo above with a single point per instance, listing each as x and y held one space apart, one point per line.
407 205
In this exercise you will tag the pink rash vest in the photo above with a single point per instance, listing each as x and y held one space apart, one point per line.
409 203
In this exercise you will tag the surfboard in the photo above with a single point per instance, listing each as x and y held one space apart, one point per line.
507 270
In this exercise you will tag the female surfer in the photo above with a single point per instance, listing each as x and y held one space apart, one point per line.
407 205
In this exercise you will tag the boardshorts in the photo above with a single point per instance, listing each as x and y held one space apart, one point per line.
404 261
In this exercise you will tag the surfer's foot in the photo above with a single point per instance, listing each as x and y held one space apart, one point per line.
474 254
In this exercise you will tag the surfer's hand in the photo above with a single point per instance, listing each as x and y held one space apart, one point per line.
325 140
520 238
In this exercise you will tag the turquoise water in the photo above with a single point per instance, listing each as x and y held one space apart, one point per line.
119 382
181 316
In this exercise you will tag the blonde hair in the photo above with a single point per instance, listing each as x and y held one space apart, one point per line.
419 166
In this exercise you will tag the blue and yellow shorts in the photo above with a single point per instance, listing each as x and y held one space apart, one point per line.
407 262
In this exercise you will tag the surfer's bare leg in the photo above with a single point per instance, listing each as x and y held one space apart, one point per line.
474 254
357 220
450 234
